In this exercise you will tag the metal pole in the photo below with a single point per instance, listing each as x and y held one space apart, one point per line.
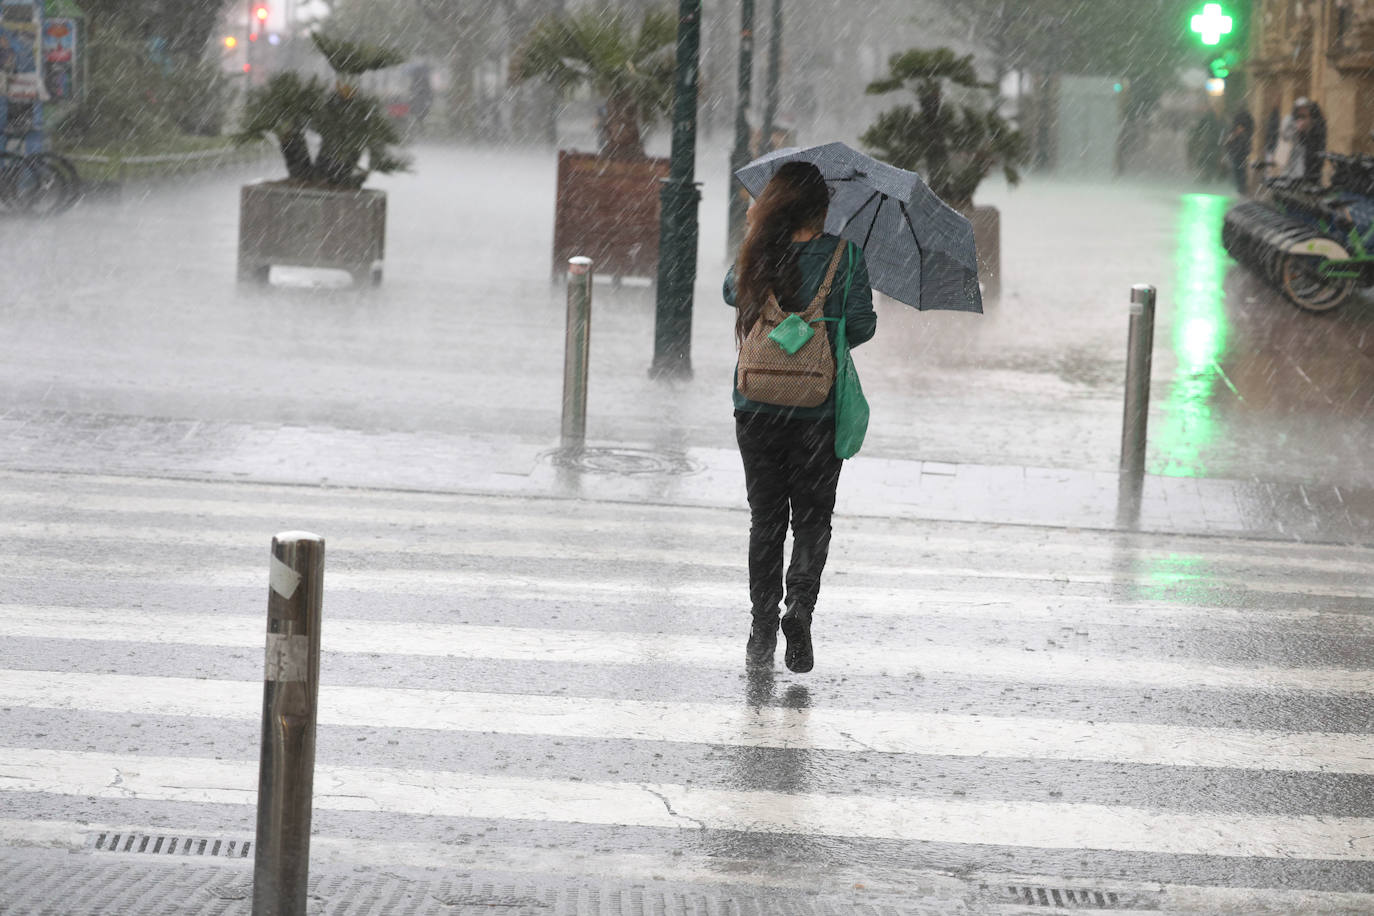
677 254
1136 411
248 47
739 156
289 12
770 89
576 348
286 769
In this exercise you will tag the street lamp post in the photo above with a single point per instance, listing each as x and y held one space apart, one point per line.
251 38
677 252
739 156
770 91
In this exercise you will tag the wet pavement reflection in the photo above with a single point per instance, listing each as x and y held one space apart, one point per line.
784 775
1255 377
1245 385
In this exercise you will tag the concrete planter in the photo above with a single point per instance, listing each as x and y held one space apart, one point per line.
308 227
987 235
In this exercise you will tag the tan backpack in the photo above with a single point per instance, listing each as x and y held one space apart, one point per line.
769 374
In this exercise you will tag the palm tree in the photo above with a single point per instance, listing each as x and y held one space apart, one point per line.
350 123
953 148
633 70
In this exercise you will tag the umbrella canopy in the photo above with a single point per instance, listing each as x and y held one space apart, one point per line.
918 250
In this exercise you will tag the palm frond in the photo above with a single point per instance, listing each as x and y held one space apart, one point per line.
286 103
350 58
603 50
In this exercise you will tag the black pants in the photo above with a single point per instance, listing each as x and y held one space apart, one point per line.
790 470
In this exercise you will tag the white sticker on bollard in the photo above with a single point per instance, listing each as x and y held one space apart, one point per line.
282 579
288 657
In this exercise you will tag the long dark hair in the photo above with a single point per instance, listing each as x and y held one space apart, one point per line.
795 198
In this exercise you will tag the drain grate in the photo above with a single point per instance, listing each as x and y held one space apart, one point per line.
1067 897
492 902
171 845
630 462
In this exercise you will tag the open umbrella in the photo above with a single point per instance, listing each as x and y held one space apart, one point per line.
919 250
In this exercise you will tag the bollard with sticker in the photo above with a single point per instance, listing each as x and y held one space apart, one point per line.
286 769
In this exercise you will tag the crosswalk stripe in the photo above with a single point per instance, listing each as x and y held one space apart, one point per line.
687 524
551 645
1068 611
48 492
899 598
849 730
727 555
1040 825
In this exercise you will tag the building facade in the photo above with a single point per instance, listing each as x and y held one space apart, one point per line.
1320 49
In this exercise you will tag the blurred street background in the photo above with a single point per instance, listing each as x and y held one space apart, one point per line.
532 695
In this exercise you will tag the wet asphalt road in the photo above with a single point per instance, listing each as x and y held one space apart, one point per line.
547 688
1179 721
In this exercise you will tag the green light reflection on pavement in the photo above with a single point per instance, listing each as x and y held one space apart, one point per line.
1199 335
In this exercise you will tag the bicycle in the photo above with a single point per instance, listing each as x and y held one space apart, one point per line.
1315 242
36 184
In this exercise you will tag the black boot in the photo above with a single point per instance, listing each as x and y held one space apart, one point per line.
763 640
796 626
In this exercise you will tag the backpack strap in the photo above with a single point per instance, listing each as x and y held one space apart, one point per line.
771 313
824 292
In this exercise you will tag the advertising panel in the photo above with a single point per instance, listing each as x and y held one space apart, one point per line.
59 58
20 52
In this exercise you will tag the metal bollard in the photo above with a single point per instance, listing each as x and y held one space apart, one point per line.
286 769
1136 412
576 348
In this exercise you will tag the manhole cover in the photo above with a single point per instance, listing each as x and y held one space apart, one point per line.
625 461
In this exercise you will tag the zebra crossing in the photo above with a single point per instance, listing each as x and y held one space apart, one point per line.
556 687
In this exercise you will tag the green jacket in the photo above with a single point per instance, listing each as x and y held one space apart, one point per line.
860 321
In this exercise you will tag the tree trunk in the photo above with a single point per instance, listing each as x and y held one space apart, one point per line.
936 152
622 140
297 155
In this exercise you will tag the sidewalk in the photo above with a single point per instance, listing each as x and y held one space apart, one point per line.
90 883
633 472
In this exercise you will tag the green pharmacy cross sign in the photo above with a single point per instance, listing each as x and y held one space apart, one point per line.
1211 24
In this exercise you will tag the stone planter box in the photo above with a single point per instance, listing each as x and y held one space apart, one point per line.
308 227
987 236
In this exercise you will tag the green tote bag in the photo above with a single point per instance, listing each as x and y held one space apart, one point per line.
851 407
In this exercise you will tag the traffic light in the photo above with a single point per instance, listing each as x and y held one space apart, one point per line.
1212 23
231 42
260 13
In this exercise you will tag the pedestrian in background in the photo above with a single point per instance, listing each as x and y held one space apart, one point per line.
1238 143
1307 131
1312 130
1272 125
790 467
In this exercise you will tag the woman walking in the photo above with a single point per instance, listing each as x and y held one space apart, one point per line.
788 263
